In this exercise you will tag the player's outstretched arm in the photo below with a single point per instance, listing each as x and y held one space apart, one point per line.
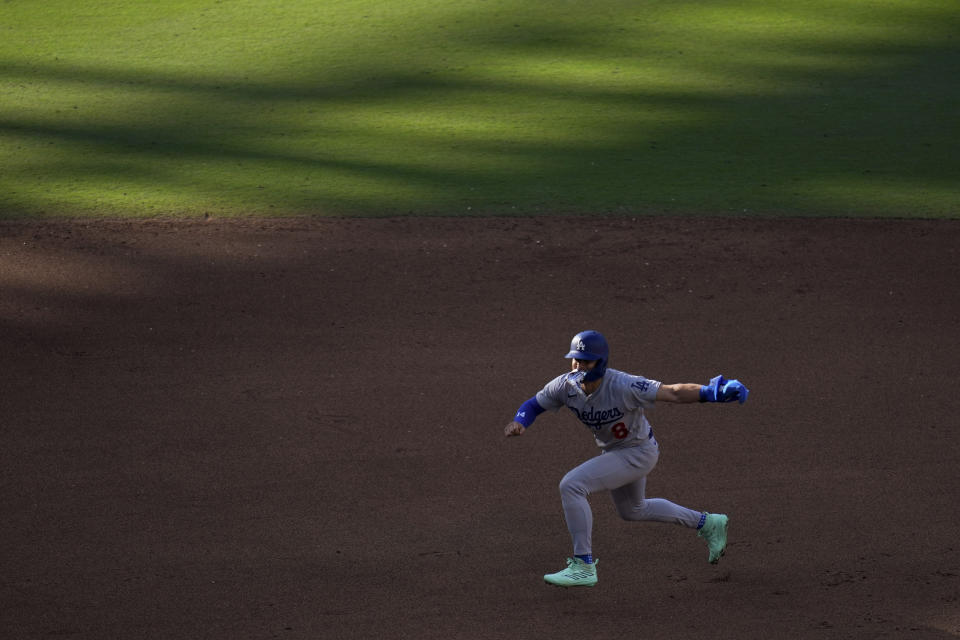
718 390
514 429
681 393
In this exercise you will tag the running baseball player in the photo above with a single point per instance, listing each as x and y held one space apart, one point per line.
610 403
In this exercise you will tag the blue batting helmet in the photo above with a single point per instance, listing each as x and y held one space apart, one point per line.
590 345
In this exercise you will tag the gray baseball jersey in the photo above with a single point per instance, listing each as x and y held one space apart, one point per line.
614 412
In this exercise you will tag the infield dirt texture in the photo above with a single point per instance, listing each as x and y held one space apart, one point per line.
293 428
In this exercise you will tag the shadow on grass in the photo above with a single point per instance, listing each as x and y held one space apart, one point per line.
526 118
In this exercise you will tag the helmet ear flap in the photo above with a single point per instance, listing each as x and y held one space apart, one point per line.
597 372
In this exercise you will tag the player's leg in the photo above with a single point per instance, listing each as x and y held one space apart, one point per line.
602 473
632 504
631 501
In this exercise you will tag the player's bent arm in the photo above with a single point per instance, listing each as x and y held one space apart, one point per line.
526 414
682 392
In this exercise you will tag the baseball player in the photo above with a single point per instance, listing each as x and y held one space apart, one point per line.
610 403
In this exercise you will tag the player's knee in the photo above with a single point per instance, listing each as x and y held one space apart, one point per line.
631 511
570 485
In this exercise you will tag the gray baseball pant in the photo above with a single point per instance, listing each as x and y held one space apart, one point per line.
622 472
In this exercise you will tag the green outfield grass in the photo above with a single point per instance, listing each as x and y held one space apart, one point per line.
229 107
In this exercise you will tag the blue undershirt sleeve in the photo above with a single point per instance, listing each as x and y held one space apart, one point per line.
528 412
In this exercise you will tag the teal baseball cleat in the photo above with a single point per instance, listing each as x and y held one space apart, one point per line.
577 574
714 531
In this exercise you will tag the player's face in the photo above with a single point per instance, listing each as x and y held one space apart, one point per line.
582 365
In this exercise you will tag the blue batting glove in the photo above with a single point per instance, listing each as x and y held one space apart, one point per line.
710 392
722 390
734 390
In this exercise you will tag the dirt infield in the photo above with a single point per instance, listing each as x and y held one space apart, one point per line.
293 429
